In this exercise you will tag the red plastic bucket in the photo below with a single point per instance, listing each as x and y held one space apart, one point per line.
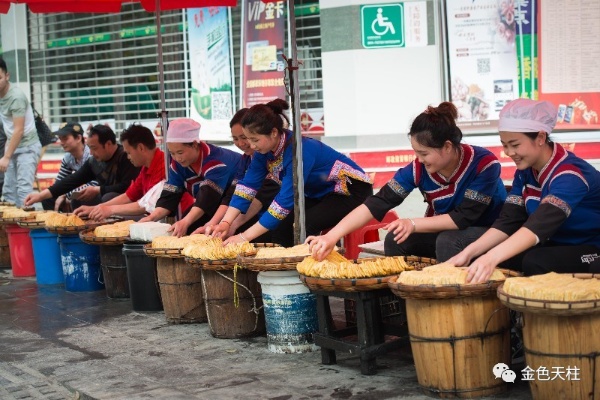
21 251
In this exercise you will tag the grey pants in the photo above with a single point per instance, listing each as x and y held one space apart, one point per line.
20 175
439 245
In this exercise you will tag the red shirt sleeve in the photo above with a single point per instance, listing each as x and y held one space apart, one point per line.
135 191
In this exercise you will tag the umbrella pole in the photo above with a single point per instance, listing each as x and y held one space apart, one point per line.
161 81
298 178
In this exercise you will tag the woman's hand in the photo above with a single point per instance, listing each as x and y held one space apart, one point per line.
401 228
234 239
179 228
219 230
481 269
202 230
320 246
460 260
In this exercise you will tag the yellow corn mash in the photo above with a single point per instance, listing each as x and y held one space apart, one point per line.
118 229
553 286
337 266
213 249
441 274
173 242
63 220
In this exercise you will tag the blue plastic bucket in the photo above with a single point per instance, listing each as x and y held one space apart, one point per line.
290 312
81 264
46 255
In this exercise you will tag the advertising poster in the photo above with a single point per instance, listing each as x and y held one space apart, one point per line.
569 66
211 100
263 36
482 58
527 48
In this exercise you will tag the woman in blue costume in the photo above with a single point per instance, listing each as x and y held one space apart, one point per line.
460 183
203 170
263 198
551 218
333 184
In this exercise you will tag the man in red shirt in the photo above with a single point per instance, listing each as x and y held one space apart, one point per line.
140 146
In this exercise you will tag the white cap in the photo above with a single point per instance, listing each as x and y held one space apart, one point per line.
183 130
524 115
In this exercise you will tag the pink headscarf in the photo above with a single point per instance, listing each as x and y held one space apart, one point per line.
524 115
183 130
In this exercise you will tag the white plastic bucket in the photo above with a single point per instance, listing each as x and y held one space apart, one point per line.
290 312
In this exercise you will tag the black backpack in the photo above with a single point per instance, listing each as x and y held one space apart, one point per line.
44 133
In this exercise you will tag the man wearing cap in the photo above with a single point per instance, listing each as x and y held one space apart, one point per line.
70 135
109 166
203 170
551 217
23 147
140 145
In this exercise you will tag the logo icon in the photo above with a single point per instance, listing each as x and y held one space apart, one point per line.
501 370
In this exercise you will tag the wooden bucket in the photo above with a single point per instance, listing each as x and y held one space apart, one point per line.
114 271
4 256
224 318
557 343
456 342
181 291
4 250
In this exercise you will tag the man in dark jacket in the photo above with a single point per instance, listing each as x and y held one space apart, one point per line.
109 166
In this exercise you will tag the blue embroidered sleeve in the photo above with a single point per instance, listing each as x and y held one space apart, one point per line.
217 178
567 189
405 180
283 203
515 196
246 189
175 177
485 184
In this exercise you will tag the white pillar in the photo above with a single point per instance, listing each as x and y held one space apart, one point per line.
13 32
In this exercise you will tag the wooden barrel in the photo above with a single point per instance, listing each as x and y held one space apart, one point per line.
114 271
560 343
181 291
4 256
224 318
456 342
3 236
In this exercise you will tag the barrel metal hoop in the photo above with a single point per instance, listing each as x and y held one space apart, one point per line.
458 391
180 284
454 339
539 353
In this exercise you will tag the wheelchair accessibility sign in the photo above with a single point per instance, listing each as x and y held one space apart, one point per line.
382 25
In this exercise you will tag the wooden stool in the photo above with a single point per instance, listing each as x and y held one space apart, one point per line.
370 329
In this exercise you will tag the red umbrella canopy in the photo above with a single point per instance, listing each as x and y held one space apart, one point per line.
109 6
150 5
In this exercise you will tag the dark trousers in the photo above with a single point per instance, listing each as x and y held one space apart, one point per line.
324 213
561 259
439 245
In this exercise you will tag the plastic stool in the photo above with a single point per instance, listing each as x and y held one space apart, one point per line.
367 234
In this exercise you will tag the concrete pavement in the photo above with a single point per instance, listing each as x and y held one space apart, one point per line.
60 345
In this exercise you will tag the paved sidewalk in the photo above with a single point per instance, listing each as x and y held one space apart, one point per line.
60 345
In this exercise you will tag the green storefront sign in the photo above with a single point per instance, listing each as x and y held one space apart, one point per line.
382 25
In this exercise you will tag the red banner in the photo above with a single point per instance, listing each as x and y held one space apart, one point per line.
262 48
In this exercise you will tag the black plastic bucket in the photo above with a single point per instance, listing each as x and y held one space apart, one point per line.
143 282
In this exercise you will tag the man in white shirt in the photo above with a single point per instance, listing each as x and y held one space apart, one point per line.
22 150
